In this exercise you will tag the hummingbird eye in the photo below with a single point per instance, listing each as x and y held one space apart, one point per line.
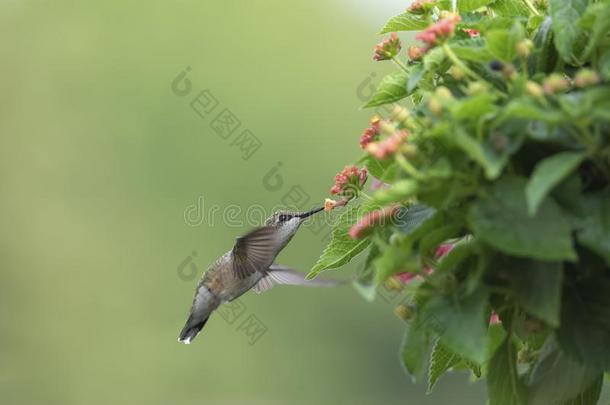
284 217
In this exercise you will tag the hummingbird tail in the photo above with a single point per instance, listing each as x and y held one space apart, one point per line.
191 329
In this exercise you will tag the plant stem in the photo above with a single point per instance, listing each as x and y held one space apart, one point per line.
400 64
529 5
457 62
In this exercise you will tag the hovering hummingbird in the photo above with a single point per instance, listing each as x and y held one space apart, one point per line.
249 265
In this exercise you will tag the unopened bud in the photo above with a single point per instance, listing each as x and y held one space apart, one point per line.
387 127
555 83
509 72
443 93
456 72
586 78
404 312
435 106
400 114
475 88
392 284
524 48
534 89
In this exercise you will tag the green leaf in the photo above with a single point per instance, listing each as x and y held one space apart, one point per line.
547 174
471 5
565 14
604 64
500 218
410 218
342 247
474 49
536 286
585 322
589 396
365 283
414 350
475 150
503 384
473 107
502 43
392 88
556 379
441 360
460 322
397 192
596 232
382 170
527 109
509 8
597 20
393 260
417 73
404 22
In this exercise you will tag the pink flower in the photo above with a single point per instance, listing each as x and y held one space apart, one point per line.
416 52
417 7
494 319
442 29
370 134
349 180
442 250
387 147
388 48
472 33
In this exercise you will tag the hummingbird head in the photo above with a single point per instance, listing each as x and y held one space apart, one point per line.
287 223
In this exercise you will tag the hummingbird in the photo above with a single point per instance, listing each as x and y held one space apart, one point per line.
248 266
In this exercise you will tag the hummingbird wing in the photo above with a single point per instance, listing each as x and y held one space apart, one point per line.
254 252
278 274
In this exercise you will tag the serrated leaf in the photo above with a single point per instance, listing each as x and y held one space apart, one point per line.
471 5
536 286
414 350
585 322
392 88
460 322
500 218
503 384
441 360
404 22
509 8
547 174
342 247
556 379
565 14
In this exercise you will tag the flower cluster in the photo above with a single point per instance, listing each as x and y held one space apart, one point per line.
349 181
442 29
388 48
416 52
370 134
418 6
387 147
367 222
555 83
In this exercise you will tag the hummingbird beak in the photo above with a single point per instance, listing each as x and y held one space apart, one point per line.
309 213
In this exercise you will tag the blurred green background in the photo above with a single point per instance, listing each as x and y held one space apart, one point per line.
99 161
